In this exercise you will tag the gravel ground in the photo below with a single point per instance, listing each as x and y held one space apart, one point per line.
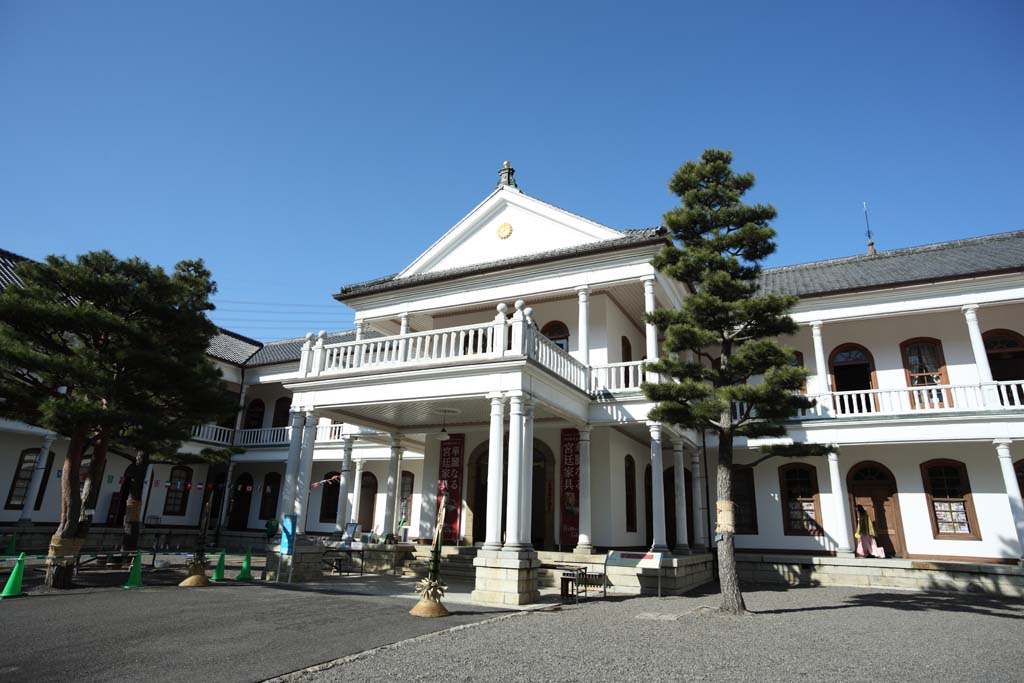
812 633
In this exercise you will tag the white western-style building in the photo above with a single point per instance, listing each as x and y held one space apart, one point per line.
515 343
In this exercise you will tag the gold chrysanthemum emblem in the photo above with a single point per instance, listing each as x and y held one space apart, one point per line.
504 230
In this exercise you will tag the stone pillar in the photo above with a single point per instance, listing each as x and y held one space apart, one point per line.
526 511
1012 489
822 386
286 500
514 537
428 496
357 491
392 485
495 464
584 546
305 473
700 509
679 465
843 531
584 324
650 331
37 479
657 489
345 482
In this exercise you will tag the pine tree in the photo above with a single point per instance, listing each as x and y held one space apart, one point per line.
723 335
111 354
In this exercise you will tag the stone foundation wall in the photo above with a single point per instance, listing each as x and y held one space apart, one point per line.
35 539
923 575
679 574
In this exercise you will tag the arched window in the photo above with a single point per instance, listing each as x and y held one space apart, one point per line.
743 496
853 370
925 366
1005 350
22 477
557 332
367 501
282 409
176 501
254 415
950 505
630 480
798 491
330 493
405 496
627 350
269 495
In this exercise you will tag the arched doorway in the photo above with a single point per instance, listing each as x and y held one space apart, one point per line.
241 501
1005 350
542 527
873 486
853 369
671 532
367 501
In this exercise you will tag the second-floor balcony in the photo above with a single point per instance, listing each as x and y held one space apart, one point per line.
266 437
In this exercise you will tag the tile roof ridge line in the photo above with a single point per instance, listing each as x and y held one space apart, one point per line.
292 340
239 336
11 255
897 252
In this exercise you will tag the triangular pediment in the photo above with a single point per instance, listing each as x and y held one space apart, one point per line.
507 224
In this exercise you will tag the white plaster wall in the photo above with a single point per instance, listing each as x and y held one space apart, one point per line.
268 393
257 470
998 536
154 508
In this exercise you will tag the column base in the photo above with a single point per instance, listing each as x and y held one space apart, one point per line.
660 549
583 549
506 577
682 550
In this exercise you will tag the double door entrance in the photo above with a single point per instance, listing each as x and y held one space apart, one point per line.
873 487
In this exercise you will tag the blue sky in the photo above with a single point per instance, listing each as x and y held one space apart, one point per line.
300 146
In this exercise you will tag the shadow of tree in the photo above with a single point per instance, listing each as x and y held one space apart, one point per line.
985 605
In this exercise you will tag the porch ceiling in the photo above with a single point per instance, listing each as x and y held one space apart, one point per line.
413 416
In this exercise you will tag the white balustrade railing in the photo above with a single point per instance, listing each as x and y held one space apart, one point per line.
271 436
617 376
453 343
213 434
920 399
551 356
332 432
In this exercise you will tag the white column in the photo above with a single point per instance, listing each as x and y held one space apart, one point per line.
398 494
526 514
843 531
822 386
428 487
357 491
360 330
286 500
584 324
345 483
679 464
495 465
389 500
700 510
584 545
650 331
37 478
977 343
514 536
657 489
1012 489
403 324
300 506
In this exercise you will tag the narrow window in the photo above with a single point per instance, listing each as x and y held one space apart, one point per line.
269 496
853 377
798 489
950 505
798 362
925 366
254 415
1019 469
630 479
176 502
743 496
330 493
282 408
22 477
557 332
405 500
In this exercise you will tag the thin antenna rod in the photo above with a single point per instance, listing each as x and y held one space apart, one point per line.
867 224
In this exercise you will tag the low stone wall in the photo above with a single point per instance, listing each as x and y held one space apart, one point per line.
36 539
306 564
679 574
923 575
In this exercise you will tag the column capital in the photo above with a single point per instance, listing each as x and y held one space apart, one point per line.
584 432
816 327
396 441
655 429
833 456
970 310
348 440
360 462
1002 444
311 416
678 447
647 279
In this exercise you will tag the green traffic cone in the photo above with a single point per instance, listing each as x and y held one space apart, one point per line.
10 545
246 573
218 573
135 575
13 587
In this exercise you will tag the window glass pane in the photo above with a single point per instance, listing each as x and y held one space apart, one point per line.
851 356
22 478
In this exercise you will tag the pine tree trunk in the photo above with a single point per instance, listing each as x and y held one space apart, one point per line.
732 598
93 482
65 541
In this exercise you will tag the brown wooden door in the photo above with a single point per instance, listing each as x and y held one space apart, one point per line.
872 486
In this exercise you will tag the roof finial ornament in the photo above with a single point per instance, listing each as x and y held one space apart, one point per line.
506 176
871 237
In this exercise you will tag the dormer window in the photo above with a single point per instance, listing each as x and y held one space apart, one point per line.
558 332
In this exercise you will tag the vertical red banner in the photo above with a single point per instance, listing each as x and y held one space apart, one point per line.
449 484
570 488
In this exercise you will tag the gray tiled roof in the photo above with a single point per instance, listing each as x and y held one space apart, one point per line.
630 238
289 350
232 347
991 254
8 261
